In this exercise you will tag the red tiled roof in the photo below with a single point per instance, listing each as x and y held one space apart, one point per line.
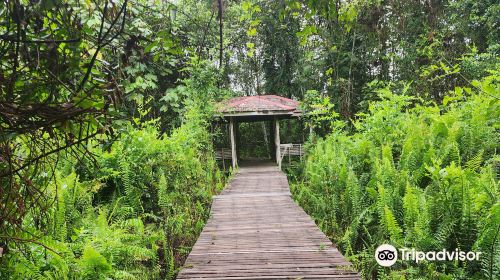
259 103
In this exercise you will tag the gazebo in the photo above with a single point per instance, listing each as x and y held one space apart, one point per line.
260 108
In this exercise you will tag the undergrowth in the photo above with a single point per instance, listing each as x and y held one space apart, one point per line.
414 175
133 214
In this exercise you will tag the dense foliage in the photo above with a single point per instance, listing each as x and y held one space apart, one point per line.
106 168
415 175
133 214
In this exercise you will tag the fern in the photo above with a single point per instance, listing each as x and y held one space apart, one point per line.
60 228
131 192
170 264
163 198
423 178
94 265
411 207
475 162
392 225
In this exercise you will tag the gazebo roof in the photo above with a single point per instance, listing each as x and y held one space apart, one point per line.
259 106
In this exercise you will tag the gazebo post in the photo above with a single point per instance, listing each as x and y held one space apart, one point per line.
271 141
277 141
237 140
234 158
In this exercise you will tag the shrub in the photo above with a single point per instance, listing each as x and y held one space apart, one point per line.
414 175
133 215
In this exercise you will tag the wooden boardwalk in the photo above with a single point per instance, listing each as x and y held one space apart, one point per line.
256 231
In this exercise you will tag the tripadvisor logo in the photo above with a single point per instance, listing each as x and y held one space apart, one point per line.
387 255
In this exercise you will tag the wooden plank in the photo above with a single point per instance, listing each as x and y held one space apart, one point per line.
256 231
222 153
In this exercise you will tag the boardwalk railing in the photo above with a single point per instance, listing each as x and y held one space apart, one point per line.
223 154
291 150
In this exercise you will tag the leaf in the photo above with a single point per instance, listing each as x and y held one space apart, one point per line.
255 22
392 225
256 9
149 47
246 5
252 32
93 263
446 99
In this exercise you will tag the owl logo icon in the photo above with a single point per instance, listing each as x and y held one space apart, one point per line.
386 255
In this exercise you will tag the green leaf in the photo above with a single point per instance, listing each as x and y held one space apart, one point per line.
149 47
255 22
246 5
94 264
252 32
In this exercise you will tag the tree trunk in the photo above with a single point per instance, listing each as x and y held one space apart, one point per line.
220 34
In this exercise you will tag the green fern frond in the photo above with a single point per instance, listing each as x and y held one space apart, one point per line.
392 226
475 162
